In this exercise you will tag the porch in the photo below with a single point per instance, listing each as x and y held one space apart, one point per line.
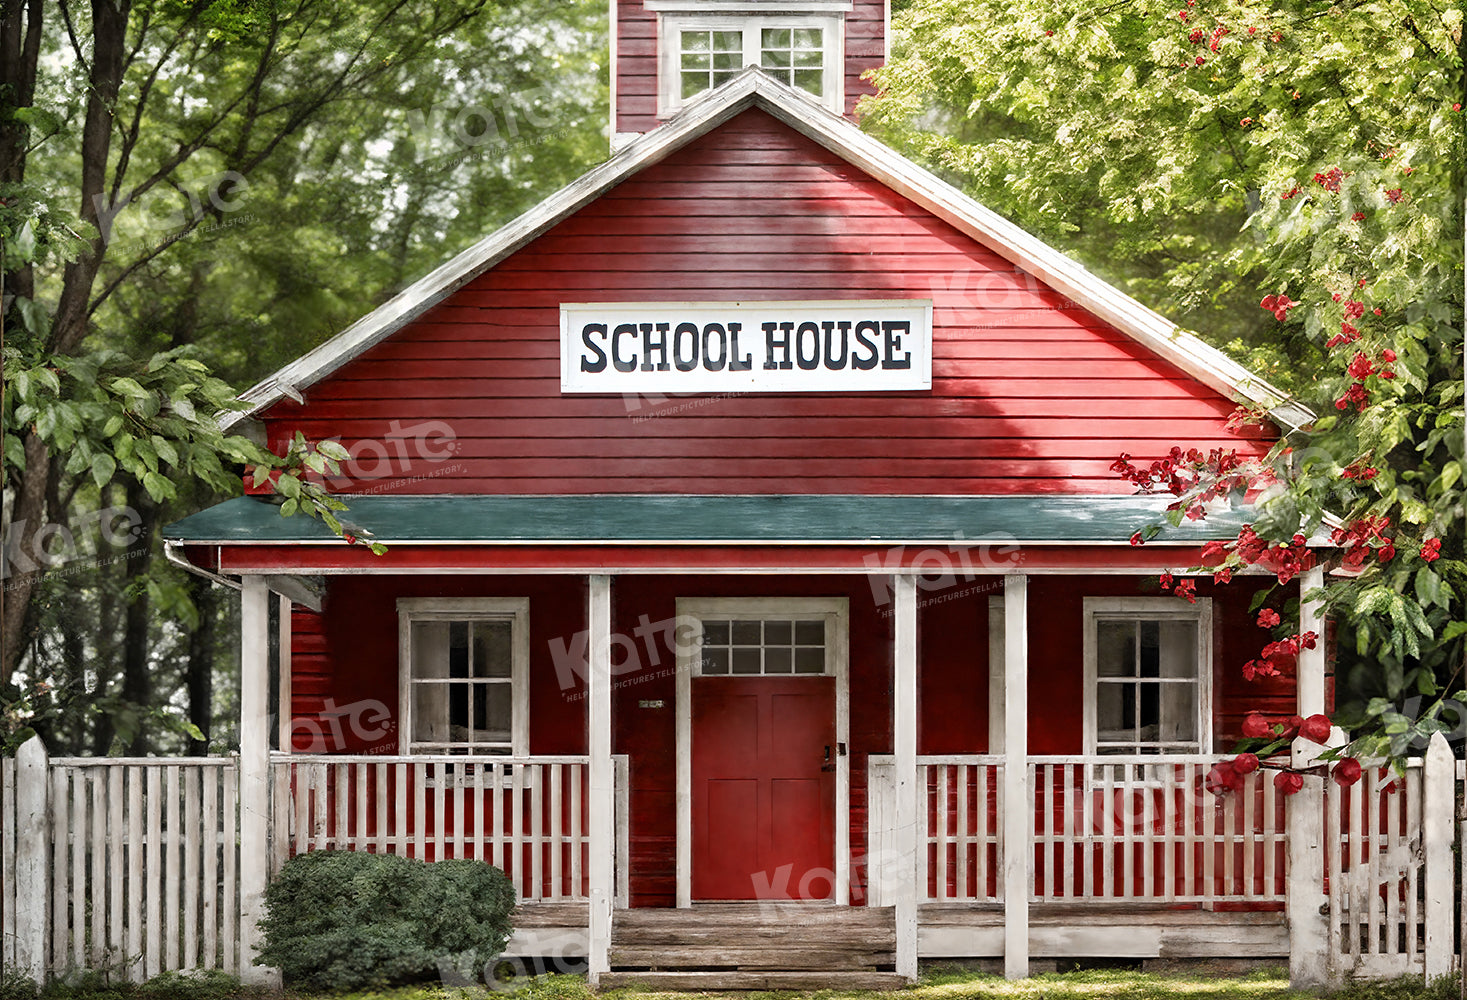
137 866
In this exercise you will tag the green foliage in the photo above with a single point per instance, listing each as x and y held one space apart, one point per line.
346 920
1207 155
208 984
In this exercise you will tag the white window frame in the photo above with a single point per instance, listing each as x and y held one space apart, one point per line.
1149 609
515 610
669 62
837 614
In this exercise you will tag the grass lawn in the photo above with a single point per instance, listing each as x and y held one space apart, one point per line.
1093 985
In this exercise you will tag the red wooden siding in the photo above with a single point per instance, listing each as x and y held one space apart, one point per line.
1030 393
636 59
344 661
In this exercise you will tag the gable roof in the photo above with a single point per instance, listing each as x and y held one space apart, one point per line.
755 89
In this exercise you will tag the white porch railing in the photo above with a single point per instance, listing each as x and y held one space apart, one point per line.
525 815
1105 829
1109 828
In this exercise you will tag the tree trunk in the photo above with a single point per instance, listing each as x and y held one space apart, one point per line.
137 681
200 670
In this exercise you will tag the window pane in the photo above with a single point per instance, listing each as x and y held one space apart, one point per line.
729 41
809 60
694 84
778 633
458 649
493 650
1177 647
1112 707
776 38
745 660
715 633
1115 648
430 713
695 61
747 633
810 633
808 39
809 661
1178 713
715 661
430 649
776 59
493 709
810 80
728 62
696 41
1147 657
777 660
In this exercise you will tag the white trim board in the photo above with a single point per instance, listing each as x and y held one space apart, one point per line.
755 89
837 613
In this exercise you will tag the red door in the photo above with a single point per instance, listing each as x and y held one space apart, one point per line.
763 799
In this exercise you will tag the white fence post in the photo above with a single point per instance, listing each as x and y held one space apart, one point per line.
1310 949
1438 803
32 870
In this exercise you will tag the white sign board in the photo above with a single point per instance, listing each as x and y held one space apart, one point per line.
680 347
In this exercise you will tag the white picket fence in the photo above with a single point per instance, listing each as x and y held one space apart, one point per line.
142 861
1390 869
131 866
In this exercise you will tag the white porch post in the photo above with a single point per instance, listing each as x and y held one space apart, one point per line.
1018 852
908 795
601 806
1310 948
254 774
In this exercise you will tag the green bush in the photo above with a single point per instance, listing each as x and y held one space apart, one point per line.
347 920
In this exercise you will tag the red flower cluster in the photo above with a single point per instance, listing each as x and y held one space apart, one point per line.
1358 217
1166 474
1268 618
1431 549
1359 470
1289 193
1246 122
1347 772
1354 310
1355 396
1347 335
1217 34
1279 305
1200 60
1196 36
1359 535
1330 181
1393 195
1287 559
1185 589
1360 367
1279 656
1182 14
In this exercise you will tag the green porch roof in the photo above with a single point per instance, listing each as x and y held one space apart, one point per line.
683 519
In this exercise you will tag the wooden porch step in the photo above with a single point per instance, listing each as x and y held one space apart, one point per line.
699 981
745 955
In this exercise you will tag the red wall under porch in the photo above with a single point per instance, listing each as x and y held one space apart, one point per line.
346 658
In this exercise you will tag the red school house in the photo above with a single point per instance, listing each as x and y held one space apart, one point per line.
757 591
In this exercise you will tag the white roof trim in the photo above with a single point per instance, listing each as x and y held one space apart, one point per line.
753 88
